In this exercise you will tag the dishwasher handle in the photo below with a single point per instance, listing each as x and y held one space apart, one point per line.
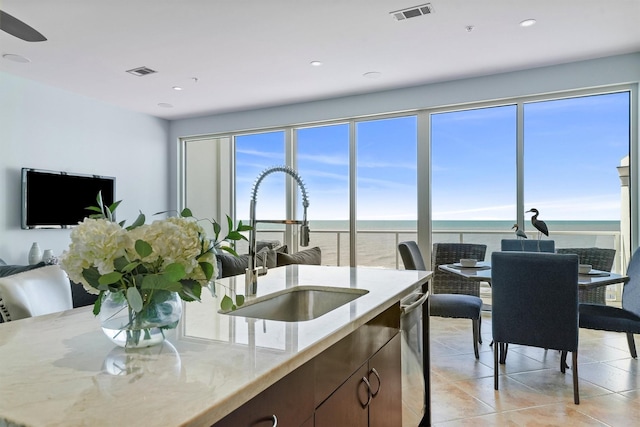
417 303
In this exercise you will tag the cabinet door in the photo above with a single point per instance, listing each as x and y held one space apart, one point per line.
385 377
290 400
347 406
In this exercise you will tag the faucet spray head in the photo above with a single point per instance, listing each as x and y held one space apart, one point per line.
304 234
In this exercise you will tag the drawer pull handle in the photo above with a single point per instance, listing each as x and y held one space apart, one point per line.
373 370
275 420
366 381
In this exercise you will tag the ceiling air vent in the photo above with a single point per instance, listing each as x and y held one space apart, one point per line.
141 71
412 12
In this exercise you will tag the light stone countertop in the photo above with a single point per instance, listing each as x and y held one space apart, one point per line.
61 370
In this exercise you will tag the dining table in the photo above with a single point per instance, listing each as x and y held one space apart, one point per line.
482 273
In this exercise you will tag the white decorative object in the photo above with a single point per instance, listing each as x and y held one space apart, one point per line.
35 255
47 256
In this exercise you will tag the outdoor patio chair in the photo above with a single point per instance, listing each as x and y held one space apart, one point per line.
445 305
600 259
535 303
449 253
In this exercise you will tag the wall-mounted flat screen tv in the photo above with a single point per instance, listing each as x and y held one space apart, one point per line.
60 199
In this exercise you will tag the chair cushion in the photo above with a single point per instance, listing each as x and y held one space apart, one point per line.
608 318
231 265
455 306
311 256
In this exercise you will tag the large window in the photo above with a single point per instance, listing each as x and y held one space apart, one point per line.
386 187
323 163
480 169
473 169
572 150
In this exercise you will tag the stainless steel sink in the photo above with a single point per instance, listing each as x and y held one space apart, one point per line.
297 304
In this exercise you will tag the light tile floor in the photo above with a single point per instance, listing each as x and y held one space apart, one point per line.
533 391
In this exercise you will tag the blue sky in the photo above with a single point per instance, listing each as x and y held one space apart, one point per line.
572 149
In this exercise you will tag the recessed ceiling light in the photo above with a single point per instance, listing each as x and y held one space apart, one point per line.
372 75
16 58
316 63
165 105
527 22
177 88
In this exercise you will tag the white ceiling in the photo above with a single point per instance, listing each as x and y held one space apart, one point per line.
249 54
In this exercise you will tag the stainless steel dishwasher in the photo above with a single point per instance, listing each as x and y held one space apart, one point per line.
413 351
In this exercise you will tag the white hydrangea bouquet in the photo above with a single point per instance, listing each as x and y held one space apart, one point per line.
143 267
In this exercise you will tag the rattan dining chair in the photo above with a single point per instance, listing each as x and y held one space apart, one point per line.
449 253
535 303
457 306
600 259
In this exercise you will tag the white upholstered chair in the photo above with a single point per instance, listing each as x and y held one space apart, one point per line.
34 293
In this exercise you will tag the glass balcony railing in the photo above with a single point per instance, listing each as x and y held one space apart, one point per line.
378 248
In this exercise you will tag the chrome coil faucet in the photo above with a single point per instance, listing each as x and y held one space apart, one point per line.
251 276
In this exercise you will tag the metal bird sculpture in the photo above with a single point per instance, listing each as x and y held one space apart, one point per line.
538 224
519 233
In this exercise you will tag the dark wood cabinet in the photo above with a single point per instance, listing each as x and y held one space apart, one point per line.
290 401
355 382
385 377
371 396
347 406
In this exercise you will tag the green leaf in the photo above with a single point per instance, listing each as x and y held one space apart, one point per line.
207 269
134 298
138 222
158 281
174 272
143 248
191 290
113 206
110 278
186 213
229 249
244 227
98 304
94 209
120 263
234 235
227 303
216 229
92 276
239 300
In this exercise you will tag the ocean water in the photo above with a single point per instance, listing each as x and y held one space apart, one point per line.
468 225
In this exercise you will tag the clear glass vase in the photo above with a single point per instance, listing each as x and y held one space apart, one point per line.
126 328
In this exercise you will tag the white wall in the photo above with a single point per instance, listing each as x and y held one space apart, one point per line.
614 70
48 128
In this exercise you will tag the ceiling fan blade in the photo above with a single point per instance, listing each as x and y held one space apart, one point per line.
19 29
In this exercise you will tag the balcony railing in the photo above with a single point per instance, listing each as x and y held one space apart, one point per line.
378 248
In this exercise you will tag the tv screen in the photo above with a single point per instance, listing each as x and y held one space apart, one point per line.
59 199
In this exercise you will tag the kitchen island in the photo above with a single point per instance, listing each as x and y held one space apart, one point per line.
60 369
